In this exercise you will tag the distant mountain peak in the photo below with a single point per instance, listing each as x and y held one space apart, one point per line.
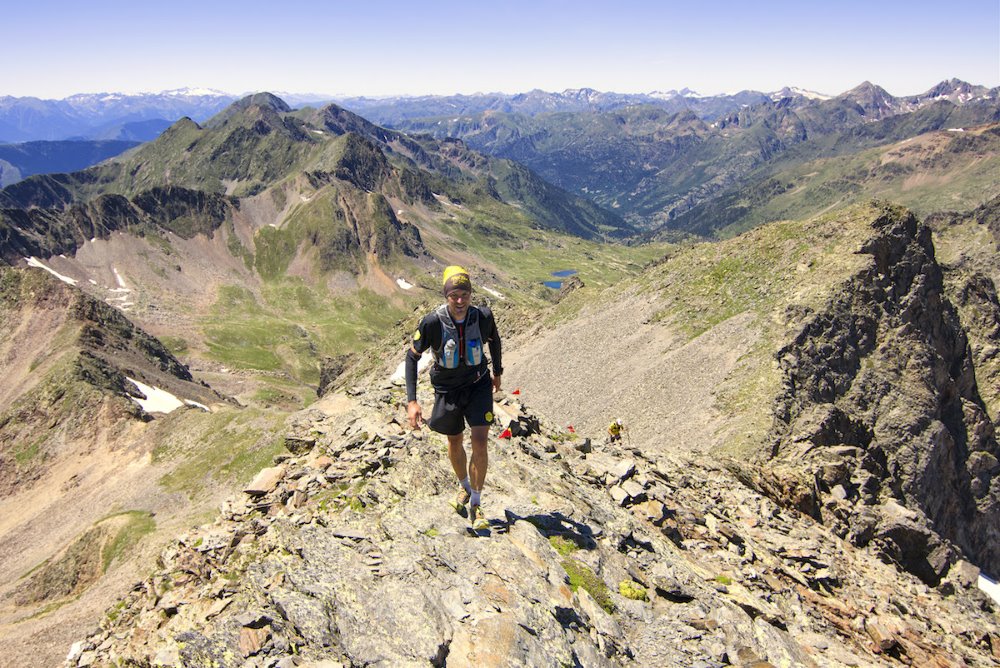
673 94
664 95
252 110
266 100
865 88
955 90
875 101
792 91
195 92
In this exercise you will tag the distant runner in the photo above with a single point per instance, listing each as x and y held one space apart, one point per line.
615 430
463 391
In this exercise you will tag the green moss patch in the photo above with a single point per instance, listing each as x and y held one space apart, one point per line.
633 590
26 453
563 546
580 575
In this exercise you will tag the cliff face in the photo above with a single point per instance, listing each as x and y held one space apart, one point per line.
880 404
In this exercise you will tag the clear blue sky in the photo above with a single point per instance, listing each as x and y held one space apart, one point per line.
54 48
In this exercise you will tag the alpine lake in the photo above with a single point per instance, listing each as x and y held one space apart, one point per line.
563 273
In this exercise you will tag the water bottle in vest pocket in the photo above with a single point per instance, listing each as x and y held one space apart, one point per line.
473 352
449 356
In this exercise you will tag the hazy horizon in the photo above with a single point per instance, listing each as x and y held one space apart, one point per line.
390 48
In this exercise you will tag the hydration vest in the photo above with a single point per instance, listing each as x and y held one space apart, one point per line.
448 354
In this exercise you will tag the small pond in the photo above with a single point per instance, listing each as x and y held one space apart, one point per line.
562 273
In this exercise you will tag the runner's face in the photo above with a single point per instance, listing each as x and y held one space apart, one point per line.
458 303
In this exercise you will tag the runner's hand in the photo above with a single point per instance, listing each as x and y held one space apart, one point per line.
496 383
414 415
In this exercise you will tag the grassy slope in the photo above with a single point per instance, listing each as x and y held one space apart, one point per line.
771 273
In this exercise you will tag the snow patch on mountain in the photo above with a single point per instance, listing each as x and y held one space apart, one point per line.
35 262
792 91
195 92
160 401
119 279
990 586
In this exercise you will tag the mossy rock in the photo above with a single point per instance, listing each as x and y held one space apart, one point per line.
633 590
580 575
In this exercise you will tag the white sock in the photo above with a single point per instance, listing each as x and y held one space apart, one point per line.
476 497
466 485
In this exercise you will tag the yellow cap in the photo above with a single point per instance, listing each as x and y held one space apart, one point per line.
455 278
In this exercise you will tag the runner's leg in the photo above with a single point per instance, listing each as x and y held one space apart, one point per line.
456 454
480 458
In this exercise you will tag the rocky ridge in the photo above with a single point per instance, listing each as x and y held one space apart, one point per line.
346 553
108 347
70 364
881 408
843 365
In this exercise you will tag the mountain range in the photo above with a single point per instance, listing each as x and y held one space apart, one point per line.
101 115
809 474
669 163
104 115
394 110
660 167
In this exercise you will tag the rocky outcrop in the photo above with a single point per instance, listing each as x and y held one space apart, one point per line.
362 164
43 232
363 227
975 295
348 554
46 191
382 234
184 211
330 369
569 285
258 150
880 404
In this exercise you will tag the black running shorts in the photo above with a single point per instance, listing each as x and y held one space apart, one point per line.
472 404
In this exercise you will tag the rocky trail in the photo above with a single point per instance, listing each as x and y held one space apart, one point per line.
346 553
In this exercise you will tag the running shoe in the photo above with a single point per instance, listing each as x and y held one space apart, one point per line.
479 521
459 501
